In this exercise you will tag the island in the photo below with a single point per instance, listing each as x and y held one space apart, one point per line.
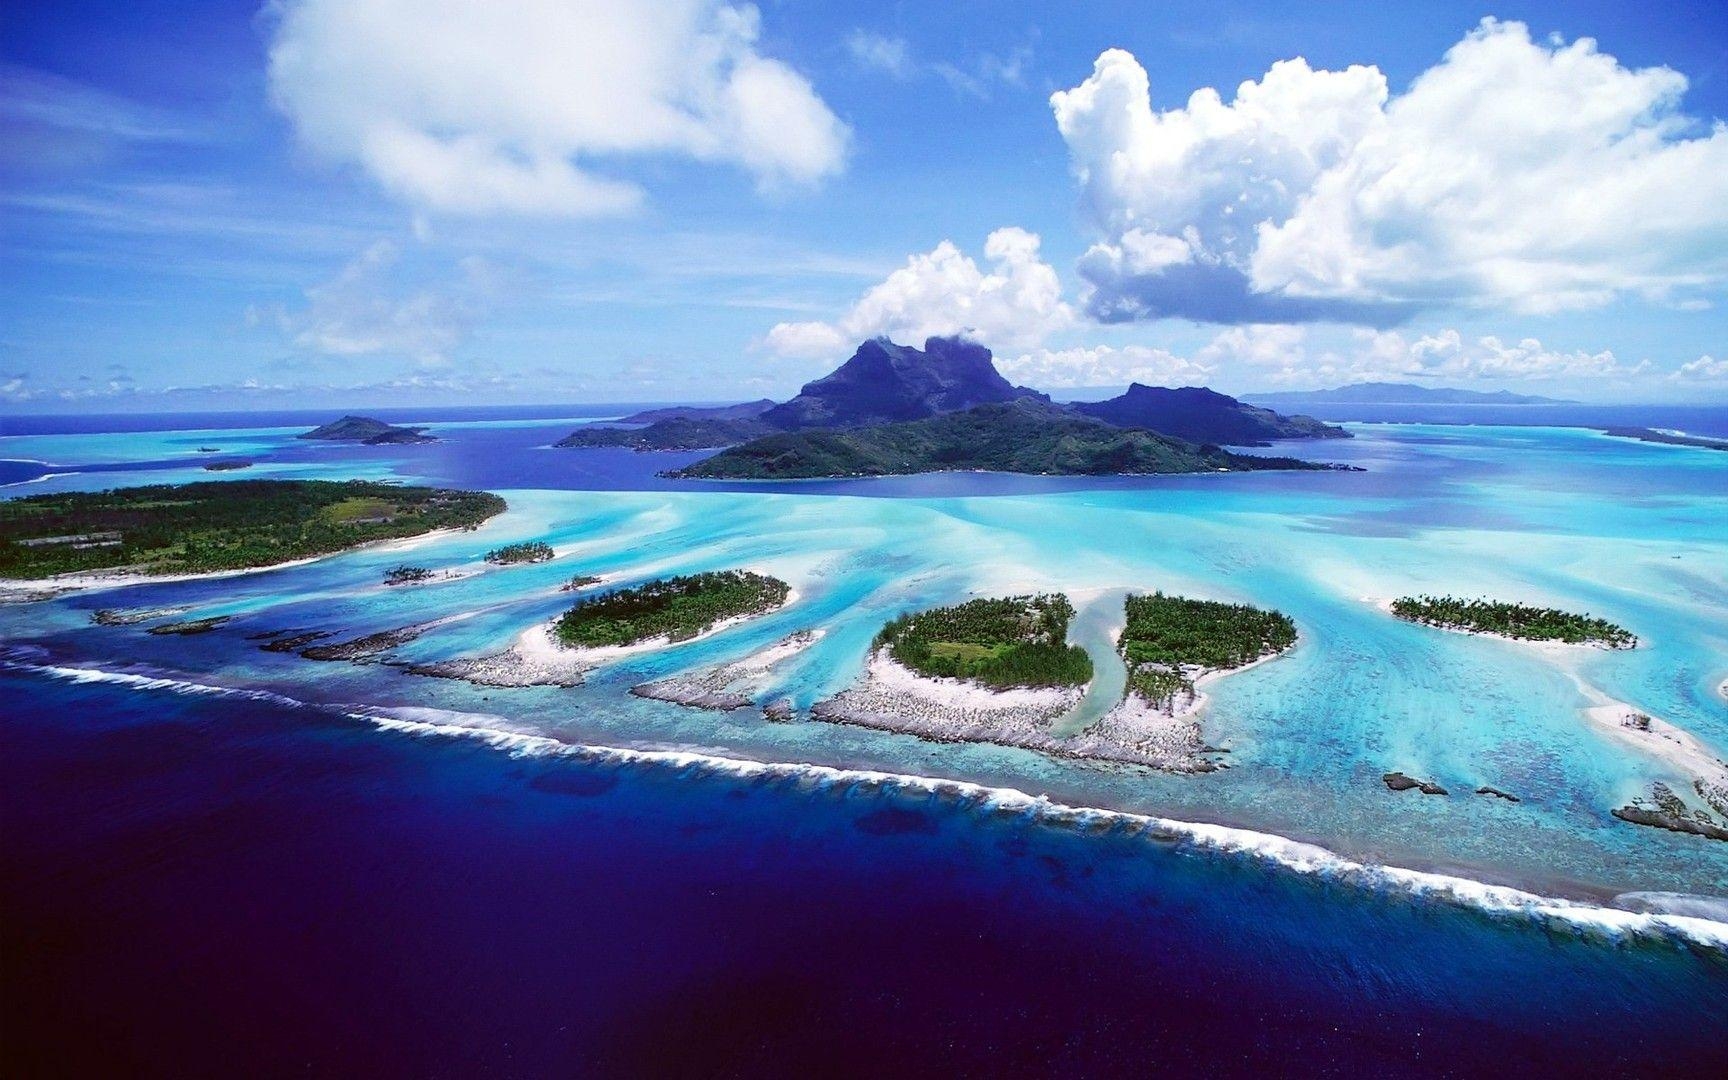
676 609
1199 415
884 385
216 526
1520 622
1170 643
1022 436
1014 642
531 551
611 625
1172 646
370 432
747 410
995 670
1386 393
674 433
1667 438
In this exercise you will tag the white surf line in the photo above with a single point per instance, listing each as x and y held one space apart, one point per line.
1291 855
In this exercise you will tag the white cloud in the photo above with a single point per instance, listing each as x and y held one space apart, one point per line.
510 105
879 52
1013 303
1104 365
1448 355
976 77
1535 177
1703 369
357 313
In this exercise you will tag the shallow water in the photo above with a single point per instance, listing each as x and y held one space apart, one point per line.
1630 531
1626 530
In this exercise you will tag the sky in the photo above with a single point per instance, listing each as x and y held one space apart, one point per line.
395 202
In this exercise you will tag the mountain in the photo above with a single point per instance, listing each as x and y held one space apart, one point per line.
746 411
1199 415
364 429
882 383
885 383
1026 435
1384 393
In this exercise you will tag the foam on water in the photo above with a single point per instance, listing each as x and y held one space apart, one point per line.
1668 917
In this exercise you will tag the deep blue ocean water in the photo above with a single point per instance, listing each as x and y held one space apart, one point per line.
205 886
223 883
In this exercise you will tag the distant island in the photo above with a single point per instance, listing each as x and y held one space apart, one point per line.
747 410
1520 621
214 526
364 429
529 551
1666 438
1025 436
1385 393
893 409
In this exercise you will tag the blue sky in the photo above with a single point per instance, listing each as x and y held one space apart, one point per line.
383 202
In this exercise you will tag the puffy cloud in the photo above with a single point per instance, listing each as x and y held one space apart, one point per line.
1448 355
1536 177
1104 365
1703 369
507 106
357 313
1013 303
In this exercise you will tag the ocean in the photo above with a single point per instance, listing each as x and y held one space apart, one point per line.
221 860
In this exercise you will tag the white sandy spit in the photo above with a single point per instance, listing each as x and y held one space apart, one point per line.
737 685
93 580
538 658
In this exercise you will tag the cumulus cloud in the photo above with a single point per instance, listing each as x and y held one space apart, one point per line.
358 312
1703 369
1104 365
1283 354
1012 303
511 105
1513 174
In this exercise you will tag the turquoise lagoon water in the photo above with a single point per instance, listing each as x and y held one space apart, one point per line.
1634 532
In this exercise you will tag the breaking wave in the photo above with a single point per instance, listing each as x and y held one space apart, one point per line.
1669 917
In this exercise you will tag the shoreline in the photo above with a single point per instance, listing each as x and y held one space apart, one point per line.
102 580
726 687
1589 910
1544 645
536 658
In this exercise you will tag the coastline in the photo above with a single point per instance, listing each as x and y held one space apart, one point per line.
100 580
1589 911
736 685
537 658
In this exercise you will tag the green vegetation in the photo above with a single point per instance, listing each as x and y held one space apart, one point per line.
220 525
407 575
674 433
1000 643
677 608
1167 636
578 583
1023 436
1512 620
532 551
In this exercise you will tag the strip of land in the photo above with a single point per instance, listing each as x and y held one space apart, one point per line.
90 539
